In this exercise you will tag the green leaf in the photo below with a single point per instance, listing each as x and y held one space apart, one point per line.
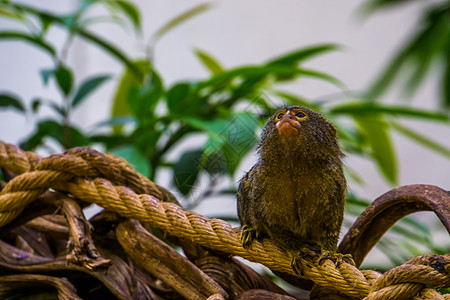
8 100
64 78
146 140
36 41
209 62
57 108
359 108
418 54
134 157
110 141
186 171
228 140
296 100
89 36
116 121
67 137
375 5
427 46
240 138
87 87
295 57
46 74
143 104
35 105
177 97
45 24
213 127
421 139
128 82
130 10
445 85
180 19
413 229
376 133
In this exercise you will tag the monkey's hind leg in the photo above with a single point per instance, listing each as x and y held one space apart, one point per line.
249 234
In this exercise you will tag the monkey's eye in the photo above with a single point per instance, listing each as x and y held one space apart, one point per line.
280 115
300 115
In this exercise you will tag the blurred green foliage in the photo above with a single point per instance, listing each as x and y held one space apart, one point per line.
150 120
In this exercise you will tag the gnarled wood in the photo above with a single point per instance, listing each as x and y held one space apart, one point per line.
389 208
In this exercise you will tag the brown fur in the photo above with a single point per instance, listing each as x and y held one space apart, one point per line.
295 193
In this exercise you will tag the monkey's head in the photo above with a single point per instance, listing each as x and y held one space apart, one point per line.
299 129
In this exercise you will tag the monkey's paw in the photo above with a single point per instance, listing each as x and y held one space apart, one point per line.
337 258
249 234
309 252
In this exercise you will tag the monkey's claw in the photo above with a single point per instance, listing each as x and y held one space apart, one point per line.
337 258
249 234
306 253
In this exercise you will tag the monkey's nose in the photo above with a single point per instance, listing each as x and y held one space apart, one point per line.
289 116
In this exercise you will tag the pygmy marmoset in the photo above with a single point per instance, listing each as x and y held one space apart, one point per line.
295 193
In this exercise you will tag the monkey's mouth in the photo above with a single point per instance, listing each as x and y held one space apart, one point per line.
288 127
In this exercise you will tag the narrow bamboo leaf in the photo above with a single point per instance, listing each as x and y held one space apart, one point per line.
383 81
110 48
426 48
280 71
180 19
295 57
16 35
370 7
421 139
359 108
87 87
10 13
209 62
8 100
376 132
130 10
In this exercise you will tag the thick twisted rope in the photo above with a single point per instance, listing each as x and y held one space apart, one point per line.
116 187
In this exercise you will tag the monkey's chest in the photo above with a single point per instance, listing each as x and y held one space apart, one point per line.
291 204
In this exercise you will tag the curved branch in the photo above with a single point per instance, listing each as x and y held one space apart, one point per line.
389 208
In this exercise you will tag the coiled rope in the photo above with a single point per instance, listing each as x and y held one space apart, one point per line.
111 183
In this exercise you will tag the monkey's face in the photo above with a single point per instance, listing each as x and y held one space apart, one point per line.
298 129
288 121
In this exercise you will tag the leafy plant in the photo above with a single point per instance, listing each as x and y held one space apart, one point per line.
427 50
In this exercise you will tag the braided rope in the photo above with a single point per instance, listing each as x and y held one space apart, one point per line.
110 182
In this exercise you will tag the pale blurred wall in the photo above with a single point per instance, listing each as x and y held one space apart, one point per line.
242 32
